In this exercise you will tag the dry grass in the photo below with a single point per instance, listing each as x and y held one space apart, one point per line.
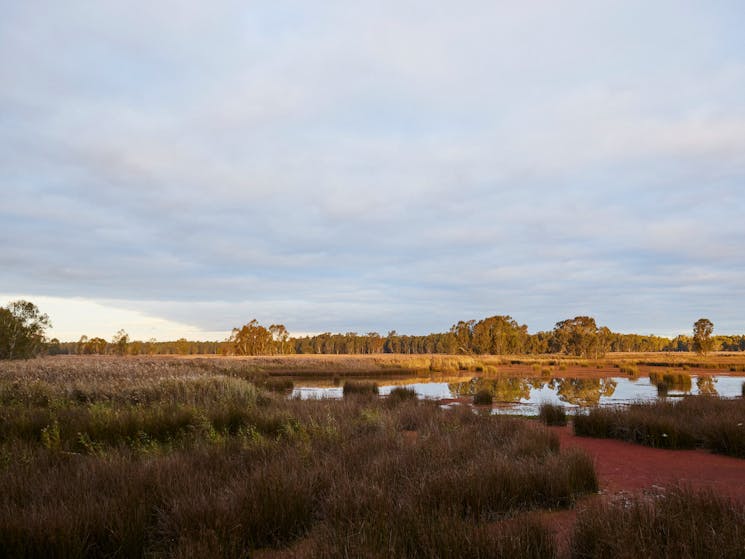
680 524
175 458
711 422
552 414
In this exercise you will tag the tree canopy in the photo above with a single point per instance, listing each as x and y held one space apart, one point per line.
22 328
702 331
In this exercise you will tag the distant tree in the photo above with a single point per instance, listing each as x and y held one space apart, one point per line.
54 347
136 347
182 346
22 328
251 339
280 335
463 332
120 342
702 341
81 345
580 336
95 346
498 335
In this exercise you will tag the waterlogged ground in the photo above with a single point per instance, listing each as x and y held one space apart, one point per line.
525 395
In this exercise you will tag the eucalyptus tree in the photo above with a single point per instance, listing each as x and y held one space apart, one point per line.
22 328
702 340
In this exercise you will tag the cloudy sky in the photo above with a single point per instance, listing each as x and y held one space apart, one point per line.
179 168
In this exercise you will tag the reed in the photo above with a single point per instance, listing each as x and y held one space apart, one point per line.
708 421
360 388
552 414
680 523
186 472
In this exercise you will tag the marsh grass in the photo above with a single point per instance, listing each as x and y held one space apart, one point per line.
362 388
276 384
200 464
483 398
552 414
401 394
706 421
679 524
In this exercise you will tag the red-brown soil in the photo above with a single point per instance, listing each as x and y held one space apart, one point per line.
625 468
628 467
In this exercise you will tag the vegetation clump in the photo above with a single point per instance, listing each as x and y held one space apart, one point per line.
483 398
401 394
681 523
352 387
552 414
281 385
707 421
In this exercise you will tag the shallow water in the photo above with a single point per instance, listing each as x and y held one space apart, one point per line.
525 395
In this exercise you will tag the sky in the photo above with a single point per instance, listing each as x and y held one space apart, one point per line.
178 168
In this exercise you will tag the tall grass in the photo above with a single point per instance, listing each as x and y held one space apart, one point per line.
706 421
552 414
681 524
401 394
483 398
202 464
360 388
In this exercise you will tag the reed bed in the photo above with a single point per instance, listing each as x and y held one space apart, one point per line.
173 461
694 421
483 398
401 394
679 524
552 414
359 388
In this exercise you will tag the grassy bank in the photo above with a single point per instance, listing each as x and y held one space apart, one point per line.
705 421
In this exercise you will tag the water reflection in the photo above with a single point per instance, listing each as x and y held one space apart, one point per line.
524 395
583 391
705 385
501 389
678 382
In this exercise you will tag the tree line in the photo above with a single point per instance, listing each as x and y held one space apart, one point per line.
22 328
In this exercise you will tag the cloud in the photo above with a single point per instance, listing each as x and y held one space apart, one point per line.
375 166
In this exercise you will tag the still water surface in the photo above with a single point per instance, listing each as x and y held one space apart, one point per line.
525 395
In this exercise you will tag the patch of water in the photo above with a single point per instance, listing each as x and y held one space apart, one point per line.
525 395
